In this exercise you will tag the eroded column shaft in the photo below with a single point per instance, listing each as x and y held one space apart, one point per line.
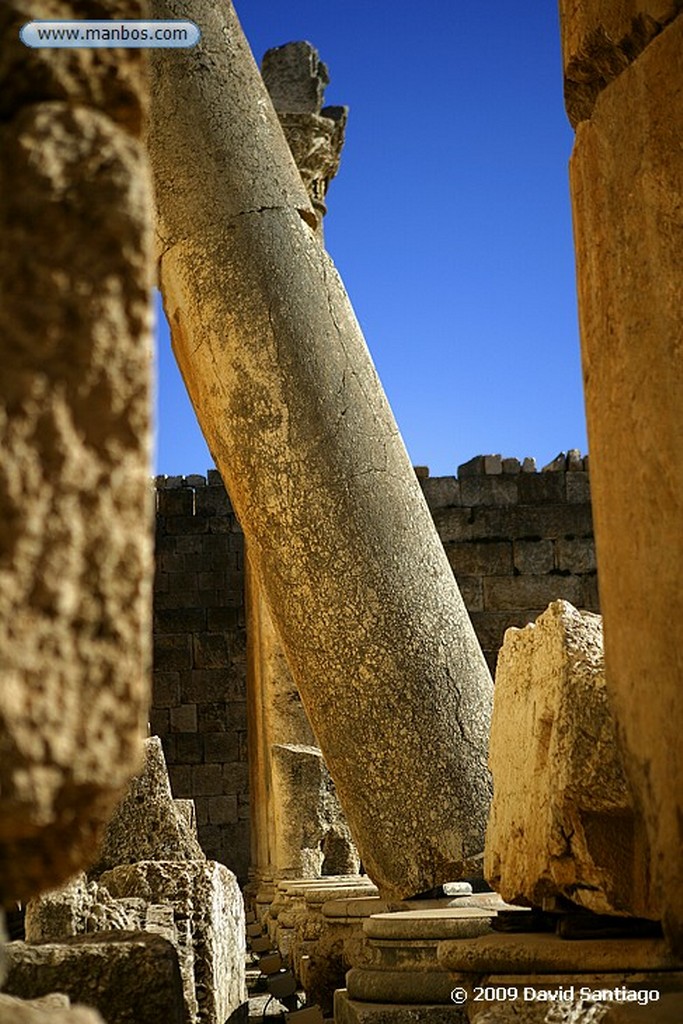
362 596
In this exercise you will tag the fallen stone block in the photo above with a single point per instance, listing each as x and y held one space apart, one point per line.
79 907
52 1009
312 836
129 977
147 824
562 821
208 897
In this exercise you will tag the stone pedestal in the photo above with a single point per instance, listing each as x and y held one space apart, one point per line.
627 198
364 602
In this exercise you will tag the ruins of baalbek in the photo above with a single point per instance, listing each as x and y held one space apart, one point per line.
563 787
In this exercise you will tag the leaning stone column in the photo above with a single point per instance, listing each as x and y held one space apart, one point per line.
362 596
75 497
624 91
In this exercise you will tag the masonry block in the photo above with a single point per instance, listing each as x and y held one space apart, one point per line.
542 488
534 556
176 502
441 491
210 650
489 490
472 592
512 592
478 558
189 748
220 747
578 487
576 555
207 779
172 651
223 810
165 689
179 620
183 718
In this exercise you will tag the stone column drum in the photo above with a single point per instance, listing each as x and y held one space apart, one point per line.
361 594
624 91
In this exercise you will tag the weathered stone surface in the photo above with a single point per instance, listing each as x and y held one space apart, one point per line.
208 896
629 258
49 1010
600 40
130 977
353 1011
77 908
311 831
543 953
402 986
76 548
364 602
147 824
553 830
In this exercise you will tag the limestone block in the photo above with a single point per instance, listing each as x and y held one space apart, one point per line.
147 824
45 1011
207 895
130 977
600 39
629 257
561 819
311 833
75 501
77 908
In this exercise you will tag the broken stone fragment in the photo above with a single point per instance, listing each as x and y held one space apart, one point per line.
562 821
147 824
127 976
311 832
77 908
51 1009
207 895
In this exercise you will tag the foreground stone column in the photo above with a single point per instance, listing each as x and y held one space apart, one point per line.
362 596
75 500
627 192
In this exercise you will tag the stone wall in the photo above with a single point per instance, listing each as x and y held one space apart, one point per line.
517 539
199 702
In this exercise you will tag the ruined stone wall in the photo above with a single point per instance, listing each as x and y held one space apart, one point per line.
517 539
199 698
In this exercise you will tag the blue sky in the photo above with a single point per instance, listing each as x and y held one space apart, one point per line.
449 222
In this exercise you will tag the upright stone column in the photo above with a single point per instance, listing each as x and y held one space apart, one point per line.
624 88
362 596
75 497
296 78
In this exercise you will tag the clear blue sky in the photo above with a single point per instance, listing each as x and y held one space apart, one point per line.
449 222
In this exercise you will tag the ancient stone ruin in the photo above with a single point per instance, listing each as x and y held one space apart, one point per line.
334 803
